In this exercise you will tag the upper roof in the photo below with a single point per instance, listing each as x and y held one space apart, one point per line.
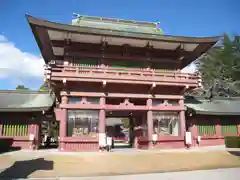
216 106
25 101
117 24
51 37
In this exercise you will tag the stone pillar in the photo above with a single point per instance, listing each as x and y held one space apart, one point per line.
62 128
150 122
182 119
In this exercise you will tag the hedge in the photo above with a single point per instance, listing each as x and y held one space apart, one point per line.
232 141
5 144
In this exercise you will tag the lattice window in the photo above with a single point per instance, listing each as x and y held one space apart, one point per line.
206 127
228 127
82 122
15 127
166 123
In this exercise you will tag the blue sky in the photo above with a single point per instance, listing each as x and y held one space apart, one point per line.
22 63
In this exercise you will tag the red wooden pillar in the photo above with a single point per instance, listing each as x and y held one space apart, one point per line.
182 119
102 118
218 128
102 121
150 122
1 127
61 115
238 124
32 132
62 128
194 128
194 131
37 131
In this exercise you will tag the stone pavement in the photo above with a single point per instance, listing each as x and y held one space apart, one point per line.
218 174
51 163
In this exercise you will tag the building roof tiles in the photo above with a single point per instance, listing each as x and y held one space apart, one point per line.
216 106
25 101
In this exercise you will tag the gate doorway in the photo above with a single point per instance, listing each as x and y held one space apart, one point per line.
123 127
49 133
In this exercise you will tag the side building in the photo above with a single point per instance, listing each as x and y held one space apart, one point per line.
21 115
209 121
102 67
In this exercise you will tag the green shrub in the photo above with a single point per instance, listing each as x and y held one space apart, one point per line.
5 144
232 141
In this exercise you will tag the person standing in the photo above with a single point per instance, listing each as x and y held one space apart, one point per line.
109 143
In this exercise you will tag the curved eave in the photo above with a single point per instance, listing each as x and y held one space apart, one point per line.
40 29
28 109
96 31
217 113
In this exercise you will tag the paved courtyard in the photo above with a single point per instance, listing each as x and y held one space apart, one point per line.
219 174
51 163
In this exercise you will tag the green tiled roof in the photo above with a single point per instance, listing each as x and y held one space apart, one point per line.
24 100
117 24
217 106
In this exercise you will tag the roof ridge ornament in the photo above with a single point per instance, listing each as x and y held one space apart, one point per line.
78 16
157 24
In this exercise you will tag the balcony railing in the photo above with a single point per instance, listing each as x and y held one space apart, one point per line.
122 74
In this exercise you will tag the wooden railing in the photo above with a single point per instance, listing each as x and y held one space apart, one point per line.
137 74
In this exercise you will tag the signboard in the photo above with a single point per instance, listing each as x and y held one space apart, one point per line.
102 139
188 138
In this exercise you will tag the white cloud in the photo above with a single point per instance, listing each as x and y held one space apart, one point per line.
18 66
191 68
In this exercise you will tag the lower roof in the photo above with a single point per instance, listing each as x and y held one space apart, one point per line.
25 101
29 101
217 106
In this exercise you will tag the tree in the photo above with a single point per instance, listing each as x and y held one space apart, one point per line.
220 68
44 87
125 122
22 87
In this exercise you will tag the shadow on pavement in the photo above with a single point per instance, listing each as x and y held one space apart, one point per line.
235 153
6 145
22 169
